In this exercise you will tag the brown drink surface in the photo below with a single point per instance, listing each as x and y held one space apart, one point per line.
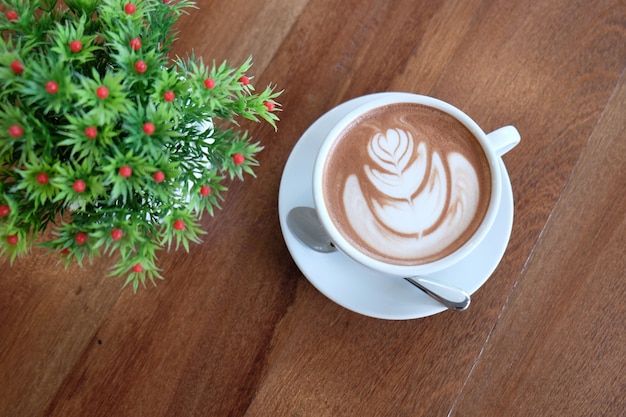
407 184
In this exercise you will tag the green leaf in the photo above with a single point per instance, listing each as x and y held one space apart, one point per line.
104 109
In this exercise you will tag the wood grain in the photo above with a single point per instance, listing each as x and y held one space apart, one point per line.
568 304
236 330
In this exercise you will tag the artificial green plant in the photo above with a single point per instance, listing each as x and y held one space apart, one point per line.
107 145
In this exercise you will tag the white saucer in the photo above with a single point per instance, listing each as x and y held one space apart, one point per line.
361 289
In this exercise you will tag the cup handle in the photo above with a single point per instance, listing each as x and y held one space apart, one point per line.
504 139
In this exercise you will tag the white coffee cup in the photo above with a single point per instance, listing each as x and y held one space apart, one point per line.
493 146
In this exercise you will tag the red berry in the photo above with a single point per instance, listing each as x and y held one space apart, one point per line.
126 171
130 8
269 105
91 132
42 178
169 96
17 67
179 225
137 268
209 83
65 251
205 190
76 46
16 131
141 67
148 128
5 210
117 234
11 15
102 92
12 240
80 238
244 80
52 87
135 43
158 176
238 158
79 186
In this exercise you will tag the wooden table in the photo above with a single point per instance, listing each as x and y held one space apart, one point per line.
237 330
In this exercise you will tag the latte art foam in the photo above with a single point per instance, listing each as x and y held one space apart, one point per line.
407 184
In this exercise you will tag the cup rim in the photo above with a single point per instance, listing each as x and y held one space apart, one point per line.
406 270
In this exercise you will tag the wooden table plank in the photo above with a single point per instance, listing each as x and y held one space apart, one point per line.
237 29
48 317
558 348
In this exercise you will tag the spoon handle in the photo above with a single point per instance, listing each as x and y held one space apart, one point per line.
451 297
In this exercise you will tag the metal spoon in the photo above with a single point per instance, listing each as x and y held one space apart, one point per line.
304 224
